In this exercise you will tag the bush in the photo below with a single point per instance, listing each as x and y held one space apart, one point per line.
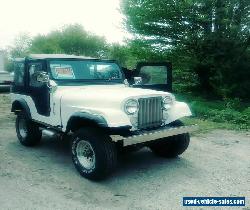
231 111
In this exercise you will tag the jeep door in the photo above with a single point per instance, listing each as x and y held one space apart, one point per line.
38 91
156 76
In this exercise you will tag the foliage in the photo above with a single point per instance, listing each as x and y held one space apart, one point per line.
133 52
71 39
231 111
212 38
21 46
120 53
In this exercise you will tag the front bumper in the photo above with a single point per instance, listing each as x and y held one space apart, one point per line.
146 136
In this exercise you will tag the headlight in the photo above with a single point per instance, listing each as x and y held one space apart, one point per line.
167 102
131 106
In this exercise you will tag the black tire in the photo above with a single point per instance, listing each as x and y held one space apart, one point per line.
28 132
172 146
102 150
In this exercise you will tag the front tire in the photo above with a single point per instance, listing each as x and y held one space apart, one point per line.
172 146
28 132
93 153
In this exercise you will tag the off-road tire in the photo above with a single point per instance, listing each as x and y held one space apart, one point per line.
102 147
32 134
172 146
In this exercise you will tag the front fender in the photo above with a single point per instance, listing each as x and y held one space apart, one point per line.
109 118
116 118
177 111
88 118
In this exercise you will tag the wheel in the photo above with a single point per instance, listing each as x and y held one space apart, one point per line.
27 131
171 146
93 153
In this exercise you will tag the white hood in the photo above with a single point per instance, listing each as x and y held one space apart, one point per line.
103 95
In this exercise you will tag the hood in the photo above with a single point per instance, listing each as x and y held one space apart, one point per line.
103 95
109 91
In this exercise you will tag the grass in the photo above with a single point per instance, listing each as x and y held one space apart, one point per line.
217 114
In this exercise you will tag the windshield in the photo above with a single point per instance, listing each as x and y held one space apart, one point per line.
85 70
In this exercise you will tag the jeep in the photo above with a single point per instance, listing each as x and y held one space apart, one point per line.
104 108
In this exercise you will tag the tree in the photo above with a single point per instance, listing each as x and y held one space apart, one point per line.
21 46
214 34
47 43
71 39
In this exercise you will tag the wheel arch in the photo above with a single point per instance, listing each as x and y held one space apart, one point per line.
21 105
80 119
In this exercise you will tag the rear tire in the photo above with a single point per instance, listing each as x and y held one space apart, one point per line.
172 146
28 132
93 153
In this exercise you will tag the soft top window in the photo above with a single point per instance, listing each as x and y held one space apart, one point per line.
19 73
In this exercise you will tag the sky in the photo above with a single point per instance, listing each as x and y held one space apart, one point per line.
101 17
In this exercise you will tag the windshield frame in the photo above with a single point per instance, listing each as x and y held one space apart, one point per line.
85 80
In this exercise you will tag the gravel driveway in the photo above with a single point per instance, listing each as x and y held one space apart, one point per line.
216 164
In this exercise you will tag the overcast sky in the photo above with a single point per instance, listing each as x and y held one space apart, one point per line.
101 17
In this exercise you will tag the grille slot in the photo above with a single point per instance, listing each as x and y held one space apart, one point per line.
150 112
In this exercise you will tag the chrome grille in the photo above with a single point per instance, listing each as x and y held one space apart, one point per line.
150 112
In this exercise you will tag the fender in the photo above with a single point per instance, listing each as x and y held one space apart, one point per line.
177 111
85 118
21 104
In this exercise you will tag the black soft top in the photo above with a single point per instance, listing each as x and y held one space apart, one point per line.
58 56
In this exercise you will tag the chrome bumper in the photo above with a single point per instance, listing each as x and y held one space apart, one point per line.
146 136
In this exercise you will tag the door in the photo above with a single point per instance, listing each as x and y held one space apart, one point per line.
38 91
156 76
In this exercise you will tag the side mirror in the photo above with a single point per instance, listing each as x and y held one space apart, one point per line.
52 86
137 80
41 77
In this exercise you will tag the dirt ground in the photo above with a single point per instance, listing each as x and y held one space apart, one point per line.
215 164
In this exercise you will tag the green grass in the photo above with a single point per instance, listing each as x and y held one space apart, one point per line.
217 114
208 125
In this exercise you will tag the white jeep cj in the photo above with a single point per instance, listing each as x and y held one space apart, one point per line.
105 108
